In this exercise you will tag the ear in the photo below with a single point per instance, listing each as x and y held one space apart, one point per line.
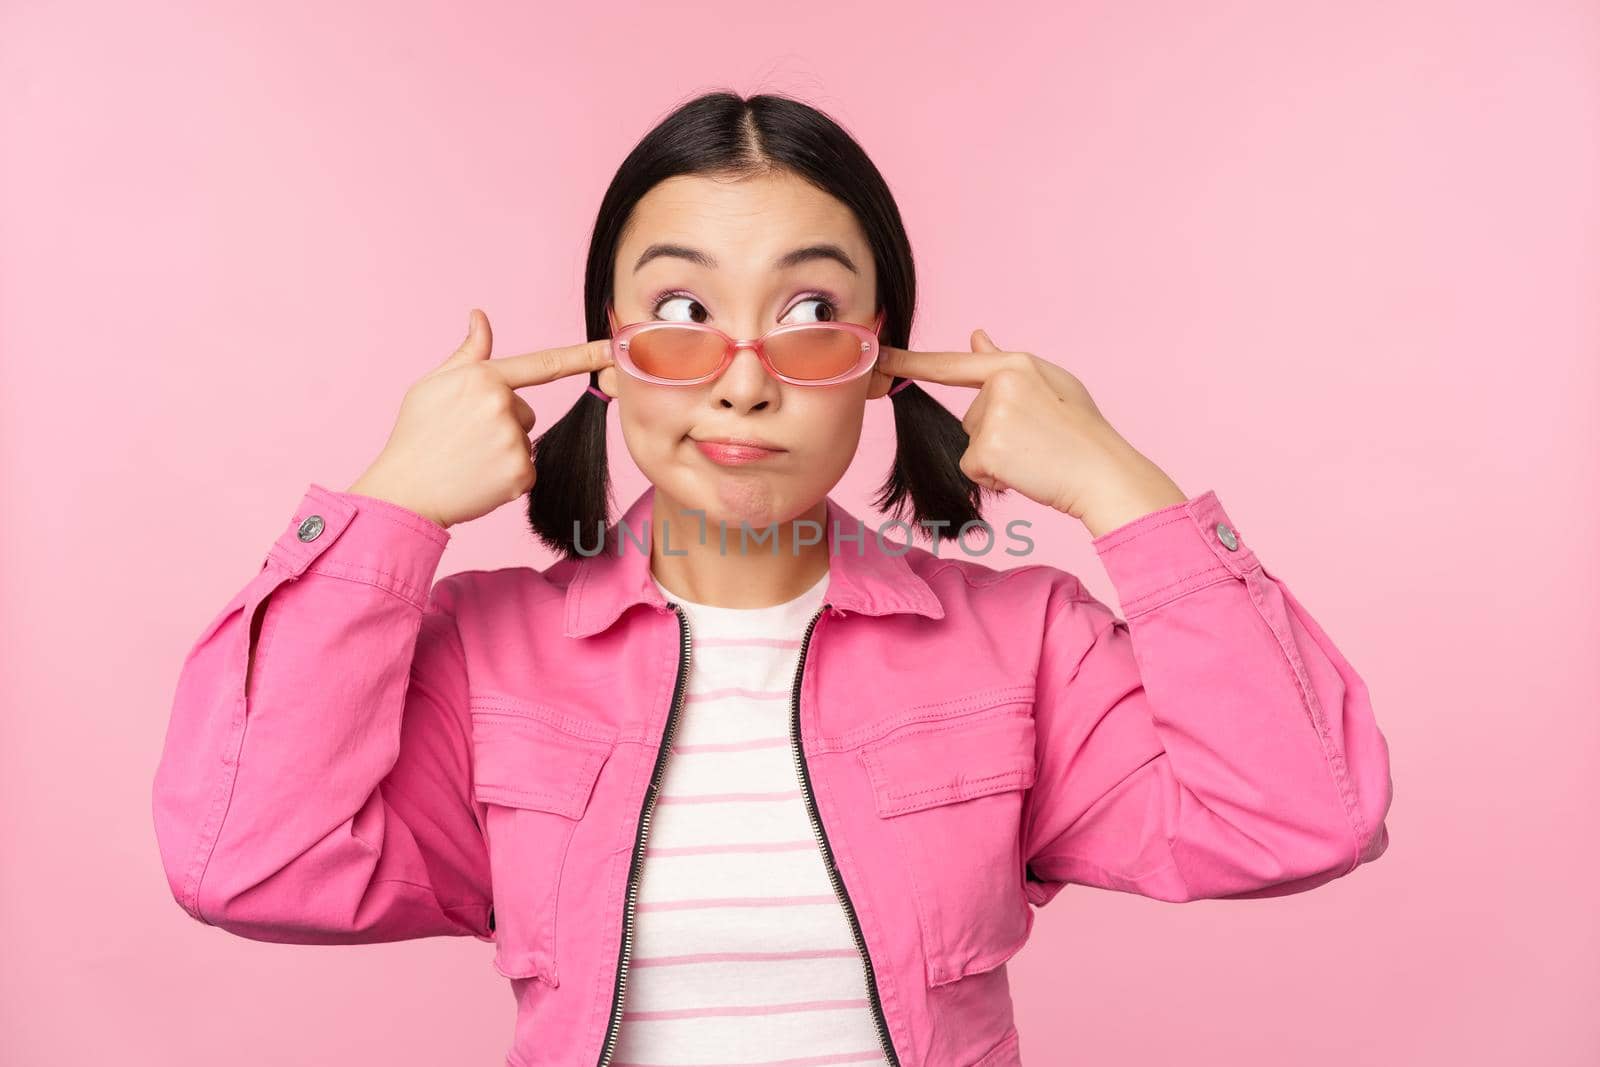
607 381
878 384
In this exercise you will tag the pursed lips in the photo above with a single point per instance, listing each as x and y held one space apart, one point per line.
746 442
731 451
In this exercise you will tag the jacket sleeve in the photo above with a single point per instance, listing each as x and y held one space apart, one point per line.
1214 745
327 799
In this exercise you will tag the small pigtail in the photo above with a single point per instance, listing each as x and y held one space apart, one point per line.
571 494
926 482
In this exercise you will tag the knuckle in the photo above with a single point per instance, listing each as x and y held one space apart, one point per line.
550 365
523 479
473 379
505 438
1021 365
495 404
1012 379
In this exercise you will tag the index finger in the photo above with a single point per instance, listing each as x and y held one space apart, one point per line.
546 365
947 368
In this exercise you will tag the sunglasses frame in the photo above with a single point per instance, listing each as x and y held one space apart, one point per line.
622 335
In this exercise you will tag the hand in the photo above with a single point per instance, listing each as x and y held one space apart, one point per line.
1034 428
460 446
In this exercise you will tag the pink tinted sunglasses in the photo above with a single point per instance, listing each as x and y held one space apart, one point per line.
689 353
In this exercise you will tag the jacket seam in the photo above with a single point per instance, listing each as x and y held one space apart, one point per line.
358 573
1030 814
907 802
487 703
999 577
954 708
1053 869
222 797
1152 599
417 525
1130 533
1332 754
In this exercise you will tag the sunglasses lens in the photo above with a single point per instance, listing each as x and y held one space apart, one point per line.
676 353
680 353
815 353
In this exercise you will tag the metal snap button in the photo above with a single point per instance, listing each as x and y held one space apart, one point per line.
1226 536
311 529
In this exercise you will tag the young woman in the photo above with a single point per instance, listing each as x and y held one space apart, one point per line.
739 779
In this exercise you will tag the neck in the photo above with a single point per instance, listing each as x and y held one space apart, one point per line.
742 563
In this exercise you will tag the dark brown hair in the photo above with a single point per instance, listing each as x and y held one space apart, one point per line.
724 134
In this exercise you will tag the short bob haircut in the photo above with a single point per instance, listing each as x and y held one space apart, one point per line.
725 135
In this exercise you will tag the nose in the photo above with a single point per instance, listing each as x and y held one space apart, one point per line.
745 385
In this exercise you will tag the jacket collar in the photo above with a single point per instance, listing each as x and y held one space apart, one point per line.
863 576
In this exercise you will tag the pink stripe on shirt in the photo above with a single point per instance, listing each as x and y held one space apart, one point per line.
763 970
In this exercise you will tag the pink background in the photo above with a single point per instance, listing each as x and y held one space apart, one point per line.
1337 262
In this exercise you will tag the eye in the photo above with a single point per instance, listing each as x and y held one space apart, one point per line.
667 299
829 315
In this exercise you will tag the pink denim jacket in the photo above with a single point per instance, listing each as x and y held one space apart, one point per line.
479 755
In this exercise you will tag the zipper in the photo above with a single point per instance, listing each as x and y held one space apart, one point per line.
827 853
608 1048
613 1025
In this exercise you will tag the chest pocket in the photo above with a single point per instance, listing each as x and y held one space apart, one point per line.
534 770
953 791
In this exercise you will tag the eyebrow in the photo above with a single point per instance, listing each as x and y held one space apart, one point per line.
783 262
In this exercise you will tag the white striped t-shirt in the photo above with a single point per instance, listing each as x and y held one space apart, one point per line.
742 953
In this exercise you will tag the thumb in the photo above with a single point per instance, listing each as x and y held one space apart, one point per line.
982 342
479 340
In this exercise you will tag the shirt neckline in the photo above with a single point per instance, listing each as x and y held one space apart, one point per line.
805 602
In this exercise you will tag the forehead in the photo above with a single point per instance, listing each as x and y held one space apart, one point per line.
744 223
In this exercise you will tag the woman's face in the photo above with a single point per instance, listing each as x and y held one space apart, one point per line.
740 230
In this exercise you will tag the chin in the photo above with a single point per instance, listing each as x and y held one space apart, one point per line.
730 496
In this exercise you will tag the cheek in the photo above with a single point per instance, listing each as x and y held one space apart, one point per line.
654 421
834 426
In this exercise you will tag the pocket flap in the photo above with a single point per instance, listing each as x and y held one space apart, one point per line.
521 759
970 756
